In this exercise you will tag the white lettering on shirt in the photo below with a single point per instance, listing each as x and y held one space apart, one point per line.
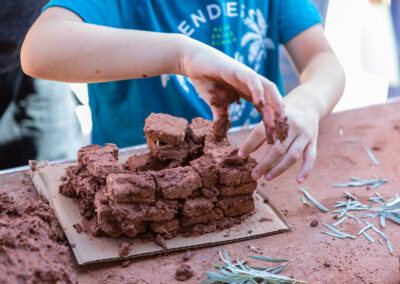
198 18
185 28
231 9
217 10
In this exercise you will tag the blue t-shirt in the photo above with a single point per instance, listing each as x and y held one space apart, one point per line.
248 30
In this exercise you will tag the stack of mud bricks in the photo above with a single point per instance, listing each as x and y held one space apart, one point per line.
188 183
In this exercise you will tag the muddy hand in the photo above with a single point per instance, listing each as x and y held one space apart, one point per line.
301 141
221 80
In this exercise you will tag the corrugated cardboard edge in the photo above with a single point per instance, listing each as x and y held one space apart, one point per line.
40 185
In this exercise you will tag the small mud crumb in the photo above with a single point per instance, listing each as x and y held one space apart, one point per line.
368 188
376 148
78 228
250 231
314 223
327 264
124 249
226 235
126 263
264 219
159 240
335 217
73 245
263 184
184 272
187 255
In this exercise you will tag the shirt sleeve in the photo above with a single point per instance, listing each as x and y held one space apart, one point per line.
296 16
90 11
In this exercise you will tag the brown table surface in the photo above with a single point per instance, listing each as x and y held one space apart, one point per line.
351 261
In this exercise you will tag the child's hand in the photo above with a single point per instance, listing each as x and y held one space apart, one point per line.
221 80
302 140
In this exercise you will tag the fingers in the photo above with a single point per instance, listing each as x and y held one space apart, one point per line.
309 156
273 96
294 152
273 156
253 141
257 92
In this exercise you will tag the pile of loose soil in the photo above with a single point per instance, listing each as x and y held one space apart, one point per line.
190 182
32 244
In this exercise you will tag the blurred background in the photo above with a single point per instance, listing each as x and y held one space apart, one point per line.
365 35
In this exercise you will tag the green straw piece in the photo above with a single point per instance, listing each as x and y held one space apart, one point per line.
339 222
389 245
372 157
365 228
313 200
266 258
369 238
334 235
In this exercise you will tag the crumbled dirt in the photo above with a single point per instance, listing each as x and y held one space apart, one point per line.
159 240
314 223
125 263
188 254
78 228
31 248
124 249
327 264
184 272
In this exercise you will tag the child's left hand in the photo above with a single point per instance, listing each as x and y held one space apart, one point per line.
302 140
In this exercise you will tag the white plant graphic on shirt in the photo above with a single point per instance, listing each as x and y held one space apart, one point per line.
183 81
256 38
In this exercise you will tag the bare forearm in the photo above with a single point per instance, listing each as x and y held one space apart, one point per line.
73 51
321 84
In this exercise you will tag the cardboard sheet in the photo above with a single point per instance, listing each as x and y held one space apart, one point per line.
89 249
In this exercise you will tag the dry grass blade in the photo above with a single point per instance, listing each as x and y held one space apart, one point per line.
357 182
313 200
372 157
265 258
339 222
238 272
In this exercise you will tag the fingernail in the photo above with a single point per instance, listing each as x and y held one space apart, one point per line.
300 179
241 155
268 176
255 175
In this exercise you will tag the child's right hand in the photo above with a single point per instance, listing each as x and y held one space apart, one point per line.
221 80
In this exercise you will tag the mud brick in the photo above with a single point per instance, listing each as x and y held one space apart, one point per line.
206 218
236 205
199 128
226 156
105 220
207 170
210 193
100 161
145 162
164 152
246 188
236 175
165 227
129 212
177 182
131 187
165 128
162 210
133 229
197 206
